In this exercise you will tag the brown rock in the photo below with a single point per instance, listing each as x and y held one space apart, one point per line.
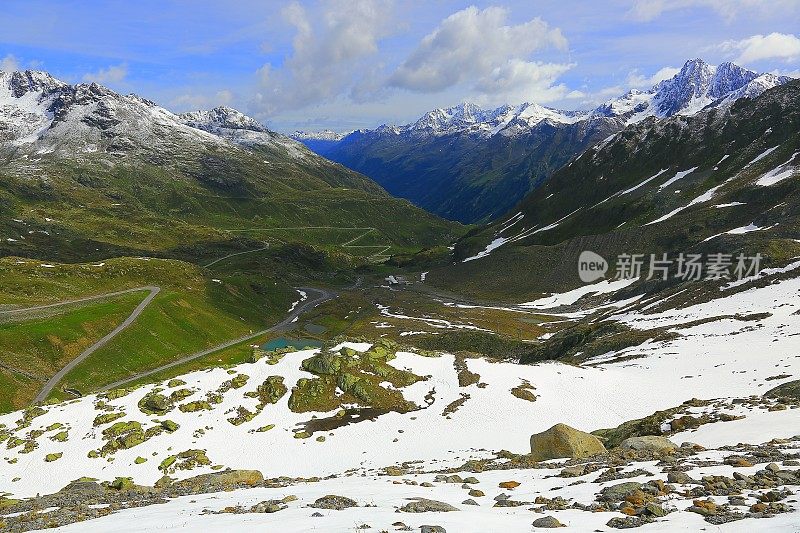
563 441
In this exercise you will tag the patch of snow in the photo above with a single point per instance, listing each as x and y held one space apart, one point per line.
496 243
761 156
676 177
570 297
778 174
705 197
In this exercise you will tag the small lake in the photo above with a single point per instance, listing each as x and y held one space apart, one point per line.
283 342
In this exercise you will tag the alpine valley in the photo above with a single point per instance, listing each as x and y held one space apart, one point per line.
473 165
206 325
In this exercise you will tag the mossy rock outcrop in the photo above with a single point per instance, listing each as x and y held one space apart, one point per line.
155 403
122 483
313 394
180 395
186 460
649 425
358 376
193 407
562 441
219 481
170 426
61 436
242 415
269 392
790 389
106 418
122 436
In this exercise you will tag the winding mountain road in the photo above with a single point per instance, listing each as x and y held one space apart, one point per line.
316 297
78 300
53 381
322 295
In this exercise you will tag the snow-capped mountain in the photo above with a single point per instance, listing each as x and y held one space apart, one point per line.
695 87
237 127
470 118
471 164
319 141
41 114
222 117
26 103
324 135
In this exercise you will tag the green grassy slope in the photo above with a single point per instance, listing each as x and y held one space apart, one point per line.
34 346
192 312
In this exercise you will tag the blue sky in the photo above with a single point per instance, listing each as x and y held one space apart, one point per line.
346 64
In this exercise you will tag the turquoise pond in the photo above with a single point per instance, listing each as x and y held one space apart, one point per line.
283 342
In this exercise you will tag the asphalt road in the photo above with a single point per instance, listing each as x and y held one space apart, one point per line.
315 298
78 300
53 381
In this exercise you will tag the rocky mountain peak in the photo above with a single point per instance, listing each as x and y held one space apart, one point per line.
20 83
729 77
223 117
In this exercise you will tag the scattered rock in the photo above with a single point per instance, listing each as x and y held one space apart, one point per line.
703 507
270 506
573 471
424 505
547 521
649 443
618 492
563 441
334 502
681 478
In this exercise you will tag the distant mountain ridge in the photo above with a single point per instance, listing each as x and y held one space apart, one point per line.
472 164
39 111
694 87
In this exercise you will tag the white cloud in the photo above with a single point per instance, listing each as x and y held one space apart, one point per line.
331 53
9 63
773 46
193 102
112 74
636 80
647 10
518 80
475 44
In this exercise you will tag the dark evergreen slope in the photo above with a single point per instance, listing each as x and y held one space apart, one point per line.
633 194
467 176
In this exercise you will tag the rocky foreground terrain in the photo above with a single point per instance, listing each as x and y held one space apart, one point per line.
695 428
646 481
